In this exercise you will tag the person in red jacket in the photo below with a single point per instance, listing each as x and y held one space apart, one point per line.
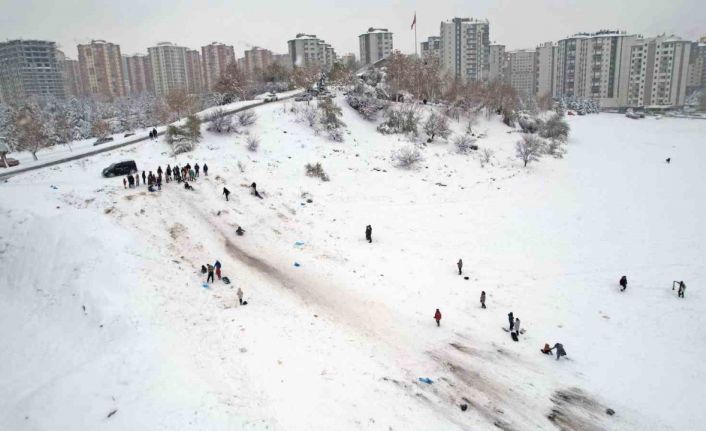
437 317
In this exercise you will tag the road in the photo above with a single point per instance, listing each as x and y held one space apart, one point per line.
12 173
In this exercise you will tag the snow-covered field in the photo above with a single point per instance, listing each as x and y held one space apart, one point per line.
102 308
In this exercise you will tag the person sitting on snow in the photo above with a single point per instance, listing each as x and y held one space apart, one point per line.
546 350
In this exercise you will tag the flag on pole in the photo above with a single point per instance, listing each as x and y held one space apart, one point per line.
414 21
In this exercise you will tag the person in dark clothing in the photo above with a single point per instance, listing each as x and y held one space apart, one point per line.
669 159
144 178
623 283
154 133
124 183
682 288
460 266
151 135
196 169
188 167
226 192
369 233
159 182
217 265
210 270
130 181
168 173
559 350
187 186
511 318
159 171
203 269
482 299
240 231
254 190
150 188
205 169
437 317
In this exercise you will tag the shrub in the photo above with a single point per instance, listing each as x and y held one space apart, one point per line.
253 143
485 155
316 171
400 120
555 148
219 122
407 157
436 125
529 148
246 118
464 144
556 128
367 106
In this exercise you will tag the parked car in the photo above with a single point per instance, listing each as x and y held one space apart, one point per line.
120 168
272 97
103 140
10 162
128 134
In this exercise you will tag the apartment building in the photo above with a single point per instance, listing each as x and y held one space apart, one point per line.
168 67
697 67
496 63
544 70
100 63
375 44
659 71
307 50
257 59
194 72
30 68
431 48
139 74
594 66
465 48
283 60
215 57
348 60
72 78
520 72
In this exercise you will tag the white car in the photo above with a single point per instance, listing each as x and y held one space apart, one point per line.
271 97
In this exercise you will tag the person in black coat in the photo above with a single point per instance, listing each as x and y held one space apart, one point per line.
205 169
623 283
369 233
196 169
144 178
511 318
226 192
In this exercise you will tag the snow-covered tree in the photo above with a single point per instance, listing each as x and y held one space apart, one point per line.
219 122
234 84
32 133
330 117
556 128
184 138
179 102
464 144
529 148
404 119
407 156
436 125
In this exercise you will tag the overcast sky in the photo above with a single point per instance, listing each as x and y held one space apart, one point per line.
137 24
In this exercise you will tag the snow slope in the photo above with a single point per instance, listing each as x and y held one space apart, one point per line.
340 341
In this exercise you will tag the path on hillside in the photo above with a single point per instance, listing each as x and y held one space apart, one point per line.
47 164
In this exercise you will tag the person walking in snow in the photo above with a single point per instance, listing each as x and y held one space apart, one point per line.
154 133
192 175
159 182
196 169
254 190
682 288
559 350
124 183
137 180
177 176
205 169
130 181
437 317
210 271
217 265
516 328
168 174
460 266
159 171
482 299
623 283
511 318
144 178
369 233
240 296
226 193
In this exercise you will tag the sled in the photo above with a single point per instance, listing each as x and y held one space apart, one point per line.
205 285
522 331
226 280
426 380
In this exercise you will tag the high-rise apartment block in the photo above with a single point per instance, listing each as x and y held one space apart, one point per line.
307 50
175 68
520 72
431 48
375 44
257 59
139 73
101 69
72 78
659 71
465 48
544 70
496 63
215 57
30 68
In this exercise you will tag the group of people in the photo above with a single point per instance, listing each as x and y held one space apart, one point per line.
154 182
153 134
210 270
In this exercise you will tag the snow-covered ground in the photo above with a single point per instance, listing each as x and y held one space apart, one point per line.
58 152
340 341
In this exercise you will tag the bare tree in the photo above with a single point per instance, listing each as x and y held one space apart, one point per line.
485 155
100 128
219 122
179 102
306 76
31 133
529 148
436 125
234 84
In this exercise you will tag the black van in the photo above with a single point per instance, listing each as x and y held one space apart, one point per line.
120 168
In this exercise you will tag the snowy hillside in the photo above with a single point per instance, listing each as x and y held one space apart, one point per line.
105 324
